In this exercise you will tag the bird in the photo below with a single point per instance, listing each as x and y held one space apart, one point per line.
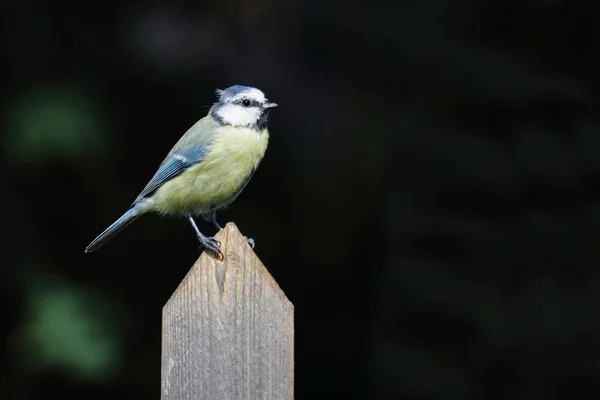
207 168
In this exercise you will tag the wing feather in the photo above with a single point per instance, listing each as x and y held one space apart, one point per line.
169 169
187 152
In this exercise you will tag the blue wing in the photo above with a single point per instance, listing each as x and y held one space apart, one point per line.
174 165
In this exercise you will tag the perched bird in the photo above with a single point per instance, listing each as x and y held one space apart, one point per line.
208 167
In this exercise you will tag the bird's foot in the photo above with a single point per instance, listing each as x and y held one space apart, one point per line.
212 245
250 242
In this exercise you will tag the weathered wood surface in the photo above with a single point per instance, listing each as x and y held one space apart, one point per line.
228 330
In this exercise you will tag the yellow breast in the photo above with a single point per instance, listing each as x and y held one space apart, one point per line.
230 161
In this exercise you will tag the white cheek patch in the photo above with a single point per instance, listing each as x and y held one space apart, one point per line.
233 114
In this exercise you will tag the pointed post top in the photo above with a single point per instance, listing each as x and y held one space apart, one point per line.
228 329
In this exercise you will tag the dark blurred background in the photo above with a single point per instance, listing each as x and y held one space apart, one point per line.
428 202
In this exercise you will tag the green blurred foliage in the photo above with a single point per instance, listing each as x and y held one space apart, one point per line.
57 122
69 328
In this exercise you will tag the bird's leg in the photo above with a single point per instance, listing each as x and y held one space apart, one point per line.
209 243
212 218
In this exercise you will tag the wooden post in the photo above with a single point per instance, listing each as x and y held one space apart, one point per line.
228 330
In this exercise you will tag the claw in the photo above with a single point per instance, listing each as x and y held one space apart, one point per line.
212 245
250 242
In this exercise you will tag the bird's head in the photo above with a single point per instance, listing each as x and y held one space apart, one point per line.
242 106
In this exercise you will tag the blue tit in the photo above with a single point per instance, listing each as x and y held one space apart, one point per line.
208 167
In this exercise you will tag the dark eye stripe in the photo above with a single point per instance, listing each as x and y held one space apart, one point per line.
253 103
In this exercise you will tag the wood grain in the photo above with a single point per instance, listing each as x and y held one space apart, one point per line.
228 330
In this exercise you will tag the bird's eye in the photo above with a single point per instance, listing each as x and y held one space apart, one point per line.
246 103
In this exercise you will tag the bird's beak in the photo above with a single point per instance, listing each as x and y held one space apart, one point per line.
268 104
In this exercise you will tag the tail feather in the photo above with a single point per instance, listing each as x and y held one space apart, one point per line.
131 215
